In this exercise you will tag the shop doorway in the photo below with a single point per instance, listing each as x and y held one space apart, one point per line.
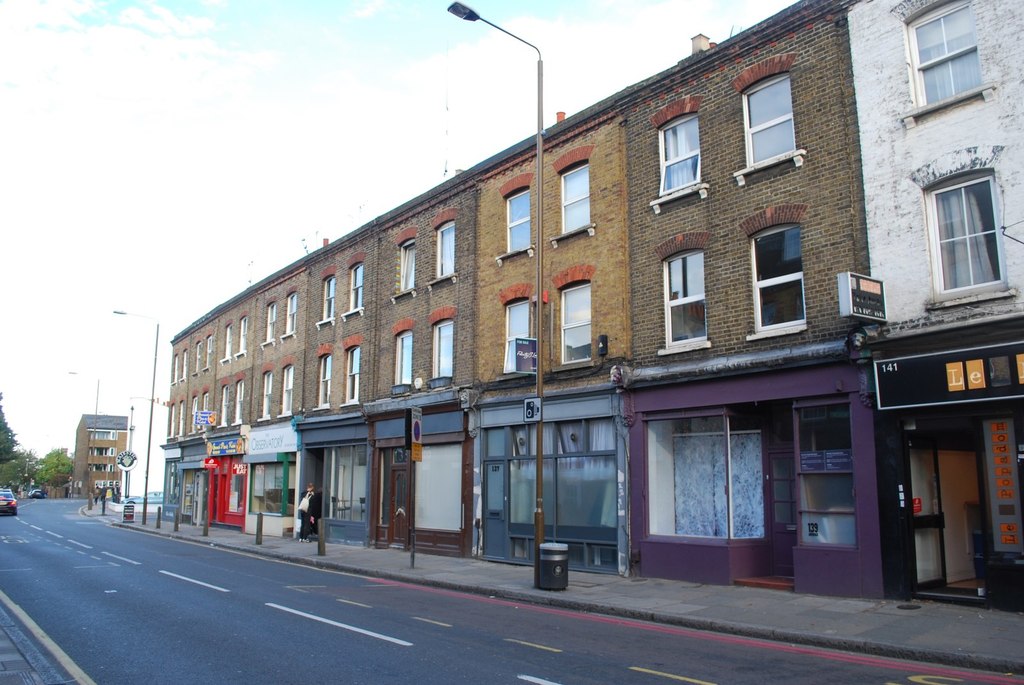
495 531
783 511
394 500
946 526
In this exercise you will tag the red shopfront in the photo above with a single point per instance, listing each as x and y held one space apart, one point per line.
228 478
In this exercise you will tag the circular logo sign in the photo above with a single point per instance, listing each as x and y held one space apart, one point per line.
126 461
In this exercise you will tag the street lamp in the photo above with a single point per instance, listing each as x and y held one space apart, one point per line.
463 12
152 394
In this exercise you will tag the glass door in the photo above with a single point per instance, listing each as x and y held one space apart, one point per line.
927 517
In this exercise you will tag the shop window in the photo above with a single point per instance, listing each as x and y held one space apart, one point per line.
267 489
705 477
827 506
439 488
348 481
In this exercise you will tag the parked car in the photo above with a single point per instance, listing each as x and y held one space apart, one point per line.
156 499
8 503
37 494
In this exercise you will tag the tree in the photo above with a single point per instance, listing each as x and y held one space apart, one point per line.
17 472
55 468
8 444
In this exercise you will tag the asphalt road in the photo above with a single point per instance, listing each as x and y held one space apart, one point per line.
126 607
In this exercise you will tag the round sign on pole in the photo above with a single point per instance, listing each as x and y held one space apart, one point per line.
126 461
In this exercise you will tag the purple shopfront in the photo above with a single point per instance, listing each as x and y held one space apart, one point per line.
765 478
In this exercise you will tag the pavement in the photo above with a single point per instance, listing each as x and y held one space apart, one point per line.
931 632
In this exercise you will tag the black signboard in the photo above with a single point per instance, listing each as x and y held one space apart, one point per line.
978 374
827 461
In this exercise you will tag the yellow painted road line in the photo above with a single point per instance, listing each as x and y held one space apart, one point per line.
670 676
436 623
534 645
65 661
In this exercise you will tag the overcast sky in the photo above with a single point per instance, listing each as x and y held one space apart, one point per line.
159 157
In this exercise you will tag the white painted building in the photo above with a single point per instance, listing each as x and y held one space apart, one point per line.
939 91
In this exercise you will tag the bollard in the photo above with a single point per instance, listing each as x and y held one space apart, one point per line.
159 515
321 542
206 526
259 528
177 519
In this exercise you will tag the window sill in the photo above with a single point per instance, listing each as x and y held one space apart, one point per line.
449 278
700 189
287 335
973 299
515 253
349 403
776 332
439 382
573 365
284 416
401 389
687 346
263 419
225 360
795 156
985 92
349 314
239 355
411 292
587 230
195 374
268 343
325 322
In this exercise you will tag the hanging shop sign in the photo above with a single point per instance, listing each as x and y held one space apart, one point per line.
1004 486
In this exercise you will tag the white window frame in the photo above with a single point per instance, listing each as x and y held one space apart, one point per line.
184 364
753 131
682 156
199 355
513 312
329 292
243 336
268 394
353 360
271 322
287 389
516 225
574 201
686 260
324 392
761 284
206 401
407 265
403 358
446 250
444 349
239 401
965 242
174 370
570 326
225 403
210 346
292 315
227 343
945 61
181 418
356 274
195 410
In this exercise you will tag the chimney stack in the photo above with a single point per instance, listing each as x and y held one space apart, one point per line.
559 117
700 43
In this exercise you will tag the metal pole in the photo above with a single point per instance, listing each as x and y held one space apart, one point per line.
149 435
468 14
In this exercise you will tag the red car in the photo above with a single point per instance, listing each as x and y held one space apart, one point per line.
8 503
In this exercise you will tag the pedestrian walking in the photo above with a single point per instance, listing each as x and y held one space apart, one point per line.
304 513
315 507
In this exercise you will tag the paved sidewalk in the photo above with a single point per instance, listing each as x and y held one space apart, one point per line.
933 632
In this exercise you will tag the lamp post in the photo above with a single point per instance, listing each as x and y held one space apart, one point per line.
463 12
152 394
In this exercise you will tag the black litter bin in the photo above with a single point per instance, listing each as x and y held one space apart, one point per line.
554 566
